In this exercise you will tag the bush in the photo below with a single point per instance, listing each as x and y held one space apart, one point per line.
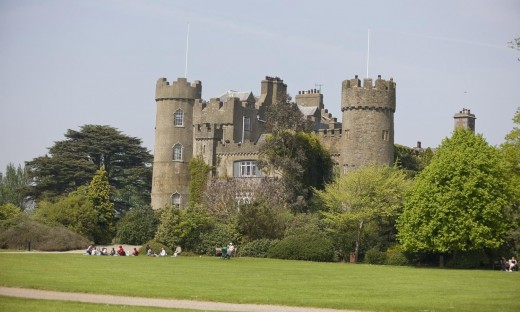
21 231
396 256
220 235
257 249
375 256
137 226
311 247
468 260
156 248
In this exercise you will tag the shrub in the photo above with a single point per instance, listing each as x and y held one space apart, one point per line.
311 247
21 231
375 256
137 226
468 260
220 235
156 248
396 256
257 248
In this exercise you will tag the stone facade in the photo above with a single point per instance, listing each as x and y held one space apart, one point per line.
227 131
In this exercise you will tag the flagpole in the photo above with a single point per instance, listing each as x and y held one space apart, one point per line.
187 45
368 51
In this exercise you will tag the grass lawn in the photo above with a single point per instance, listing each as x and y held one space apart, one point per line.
22 305
267 281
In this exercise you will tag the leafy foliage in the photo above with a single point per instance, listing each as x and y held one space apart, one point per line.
368 194
137 226
9 211
98 192
73 162
457 203
262 219
74 211
285 115
511 152
375 256
219 235
412 160
22 232
310 247
183 226
156 248
302 162
199 175
14 185
258 248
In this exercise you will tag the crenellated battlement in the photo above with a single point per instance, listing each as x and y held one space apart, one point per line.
378 95
243 148
207 131
180 89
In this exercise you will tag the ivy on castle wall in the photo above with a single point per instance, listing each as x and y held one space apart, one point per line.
199 174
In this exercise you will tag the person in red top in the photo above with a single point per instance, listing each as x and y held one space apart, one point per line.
135 252
121 251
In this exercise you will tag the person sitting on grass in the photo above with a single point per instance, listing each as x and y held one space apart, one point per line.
121 251
513 264
135 252
113 252
163 253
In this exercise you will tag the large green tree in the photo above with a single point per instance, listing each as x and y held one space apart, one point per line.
14 184
511 151
73 162
353 201
302 162
457 203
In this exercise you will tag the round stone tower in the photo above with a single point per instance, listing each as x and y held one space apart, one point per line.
368 123
173 141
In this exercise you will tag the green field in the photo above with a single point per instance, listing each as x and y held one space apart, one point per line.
267 281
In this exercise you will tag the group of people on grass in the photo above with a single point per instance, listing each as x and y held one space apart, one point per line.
94 251
509 265
163 253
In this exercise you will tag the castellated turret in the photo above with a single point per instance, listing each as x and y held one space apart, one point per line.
368 123
173 140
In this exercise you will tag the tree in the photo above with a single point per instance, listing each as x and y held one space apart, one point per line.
13 185
75 211
72 163
412 160
285 115
302 162
457 203
137 226
261 219
183 227
98 192
9 211
361 197
511 152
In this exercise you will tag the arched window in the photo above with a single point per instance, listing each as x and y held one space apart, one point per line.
178 120
177 152
176 200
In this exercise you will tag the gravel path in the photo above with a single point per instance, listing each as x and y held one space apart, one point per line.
150 302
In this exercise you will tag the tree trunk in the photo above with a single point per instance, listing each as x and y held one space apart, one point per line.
358 240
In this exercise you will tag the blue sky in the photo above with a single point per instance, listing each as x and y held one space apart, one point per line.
64 64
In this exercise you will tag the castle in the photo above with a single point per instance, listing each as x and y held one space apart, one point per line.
226 131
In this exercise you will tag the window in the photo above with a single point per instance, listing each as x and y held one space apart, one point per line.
386 135
176 200
347 134
247 124
177 152
246 168
178 120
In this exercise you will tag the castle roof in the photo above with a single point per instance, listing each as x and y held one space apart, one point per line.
308 110
241 95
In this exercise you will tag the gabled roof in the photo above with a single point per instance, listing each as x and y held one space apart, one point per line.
308 110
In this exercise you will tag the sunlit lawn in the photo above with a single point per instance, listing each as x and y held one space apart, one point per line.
267 281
